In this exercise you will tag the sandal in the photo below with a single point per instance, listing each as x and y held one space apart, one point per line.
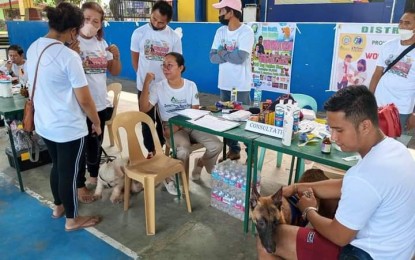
85 196
84 222
58 213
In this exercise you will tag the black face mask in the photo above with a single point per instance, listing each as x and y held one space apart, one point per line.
155 28
222 20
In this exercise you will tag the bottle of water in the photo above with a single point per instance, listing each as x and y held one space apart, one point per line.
234 95
257 97
279 114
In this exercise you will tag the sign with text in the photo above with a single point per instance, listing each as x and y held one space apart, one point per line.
356 50
265 129
272 55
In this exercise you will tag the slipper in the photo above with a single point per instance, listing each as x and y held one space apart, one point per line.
88 222
58 216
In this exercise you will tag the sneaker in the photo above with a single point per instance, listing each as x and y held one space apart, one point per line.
232 156
170 187
197 170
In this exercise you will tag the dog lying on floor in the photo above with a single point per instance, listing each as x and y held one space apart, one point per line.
111 175
269 211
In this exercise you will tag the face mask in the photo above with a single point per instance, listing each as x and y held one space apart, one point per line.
89 30
223 21
67 44
405 34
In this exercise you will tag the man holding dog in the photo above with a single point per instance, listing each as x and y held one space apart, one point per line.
375 217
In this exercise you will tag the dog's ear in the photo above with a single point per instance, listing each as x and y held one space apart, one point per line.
277 198
253 201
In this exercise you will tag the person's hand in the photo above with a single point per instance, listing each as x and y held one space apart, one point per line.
9 64
75 46
96 129
307 200
114 50
149 78
288 191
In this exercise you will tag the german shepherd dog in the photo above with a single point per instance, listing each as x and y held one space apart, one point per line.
270 211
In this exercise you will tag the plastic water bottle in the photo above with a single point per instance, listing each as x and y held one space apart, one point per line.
234 95
288 125
279 113
296 117
257 97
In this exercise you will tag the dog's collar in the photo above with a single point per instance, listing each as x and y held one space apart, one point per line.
296 218
107 183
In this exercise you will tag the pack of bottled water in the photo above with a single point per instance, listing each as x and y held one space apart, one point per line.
229 188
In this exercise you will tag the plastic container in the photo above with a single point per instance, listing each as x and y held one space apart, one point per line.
296 117
257 97
279 114
6 88
234 95
288 125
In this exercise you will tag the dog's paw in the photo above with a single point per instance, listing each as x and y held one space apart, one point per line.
116 200
97 196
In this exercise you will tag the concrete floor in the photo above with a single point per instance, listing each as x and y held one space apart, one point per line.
206 233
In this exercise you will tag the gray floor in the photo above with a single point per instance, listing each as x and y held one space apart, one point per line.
206 233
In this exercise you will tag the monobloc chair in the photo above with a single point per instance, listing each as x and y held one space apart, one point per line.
304 101
116 89
148 172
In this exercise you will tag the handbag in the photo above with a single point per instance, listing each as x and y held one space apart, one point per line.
389 121
29 109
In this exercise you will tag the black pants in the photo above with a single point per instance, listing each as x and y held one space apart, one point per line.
67 159
147 137
93 151
350 252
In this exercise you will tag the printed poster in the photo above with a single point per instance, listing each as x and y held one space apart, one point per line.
356 49
272 55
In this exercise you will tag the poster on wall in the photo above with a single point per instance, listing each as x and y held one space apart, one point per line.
290 2
272 55
356 49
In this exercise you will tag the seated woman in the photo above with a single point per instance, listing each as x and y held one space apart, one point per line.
173 94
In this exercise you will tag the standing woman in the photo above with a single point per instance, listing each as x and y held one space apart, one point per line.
61 100
97 58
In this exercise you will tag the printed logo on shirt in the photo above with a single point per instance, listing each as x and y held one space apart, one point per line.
197 95
94 62
156 50
402 67
310 237
228 45
176 104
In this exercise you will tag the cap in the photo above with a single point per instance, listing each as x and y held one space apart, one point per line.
234 4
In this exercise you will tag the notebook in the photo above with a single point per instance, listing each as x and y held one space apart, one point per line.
214 123
192 113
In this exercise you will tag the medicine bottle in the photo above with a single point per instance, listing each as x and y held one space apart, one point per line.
326 145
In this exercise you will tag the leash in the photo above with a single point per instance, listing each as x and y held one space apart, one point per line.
296 218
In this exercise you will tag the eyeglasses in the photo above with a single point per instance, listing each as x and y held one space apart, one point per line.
167 66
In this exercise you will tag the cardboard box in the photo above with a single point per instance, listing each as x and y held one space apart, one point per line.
24 161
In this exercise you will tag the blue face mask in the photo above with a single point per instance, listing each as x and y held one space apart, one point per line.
222 20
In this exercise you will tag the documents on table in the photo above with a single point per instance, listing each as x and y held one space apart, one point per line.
214 123
192 113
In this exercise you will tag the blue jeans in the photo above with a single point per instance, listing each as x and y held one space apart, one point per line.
245 98
350 252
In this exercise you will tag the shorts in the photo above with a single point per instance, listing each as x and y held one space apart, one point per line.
312 245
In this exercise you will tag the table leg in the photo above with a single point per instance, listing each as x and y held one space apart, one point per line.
15 158
224 149
248 185
291 170
299 169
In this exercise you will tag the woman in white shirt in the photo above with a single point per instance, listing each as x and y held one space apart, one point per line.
173 94
61 100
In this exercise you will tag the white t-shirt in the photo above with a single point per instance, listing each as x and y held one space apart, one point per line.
153 46
378 200
95 61
58 116
170 100
235 75
398 84
18 71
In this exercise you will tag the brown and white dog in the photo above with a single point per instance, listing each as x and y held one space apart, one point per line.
111 175
268 212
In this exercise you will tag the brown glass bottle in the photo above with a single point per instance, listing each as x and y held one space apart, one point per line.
326 145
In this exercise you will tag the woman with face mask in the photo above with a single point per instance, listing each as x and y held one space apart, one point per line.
97 58
61 100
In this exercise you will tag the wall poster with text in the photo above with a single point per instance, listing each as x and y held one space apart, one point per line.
356 49
272 55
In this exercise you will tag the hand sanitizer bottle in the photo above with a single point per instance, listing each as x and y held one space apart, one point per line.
288 125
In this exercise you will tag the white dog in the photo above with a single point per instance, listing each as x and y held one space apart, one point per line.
111 175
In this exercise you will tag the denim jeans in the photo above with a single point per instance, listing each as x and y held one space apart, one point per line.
350 252
245 98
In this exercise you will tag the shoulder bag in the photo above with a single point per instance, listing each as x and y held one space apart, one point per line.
29 110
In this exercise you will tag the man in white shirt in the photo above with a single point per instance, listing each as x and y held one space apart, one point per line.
397 85
231 49
375 217
149 44
16 65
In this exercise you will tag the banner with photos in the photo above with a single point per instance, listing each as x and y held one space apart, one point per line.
356 49
272 55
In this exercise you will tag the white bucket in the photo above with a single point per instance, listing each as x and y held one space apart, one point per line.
6 89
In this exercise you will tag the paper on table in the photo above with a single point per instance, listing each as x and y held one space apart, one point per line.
192 113
214 123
